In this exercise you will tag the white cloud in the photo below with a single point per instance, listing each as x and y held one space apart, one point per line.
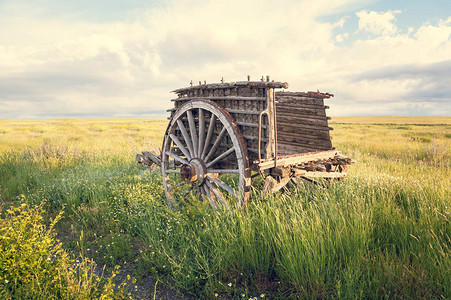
51 66
379 23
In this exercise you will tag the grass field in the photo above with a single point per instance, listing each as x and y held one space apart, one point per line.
383 232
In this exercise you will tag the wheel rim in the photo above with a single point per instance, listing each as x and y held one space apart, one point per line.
203 151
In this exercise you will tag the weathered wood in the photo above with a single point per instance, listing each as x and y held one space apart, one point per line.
270 150
222 134
193 133
180 146
271 185
209 135
216 144
295 106
227 98
255 125
320 144
283 100
281 171
148 158
316 112
316 94
289 121
284 150
296 159
302 132
246 112
186 137
299 114
233 85
319 174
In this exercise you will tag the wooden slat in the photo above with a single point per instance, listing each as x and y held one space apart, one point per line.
303 130
262 84
299 172
308 94
315 135
302 105
220 98
299 100
246 112
255 125
253 138
289 121
297 159
300 115
283 149
314 143
300 111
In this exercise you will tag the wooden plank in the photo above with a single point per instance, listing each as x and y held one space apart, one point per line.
284 125
284 149
301 105
271 185
302 132
262 84
316 94
305 109
255 125
282 172
220 98
316 144
270 150
299 114
299 172
299 100
239 111
290 140
289 121
296 159
309 113
252 138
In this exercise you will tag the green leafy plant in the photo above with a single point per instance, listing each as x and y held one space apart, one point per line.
33 264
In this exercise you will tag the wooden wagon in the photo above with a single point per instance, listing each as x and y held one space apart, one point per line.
222 135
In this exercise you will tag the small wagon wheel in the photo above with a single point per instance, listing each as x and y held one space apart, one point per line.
203 150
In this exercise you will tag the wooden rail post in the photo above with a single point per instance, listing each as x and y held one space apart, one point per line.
271 145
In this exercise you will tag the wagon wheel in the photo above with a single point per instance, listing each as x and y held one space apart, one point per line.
203 150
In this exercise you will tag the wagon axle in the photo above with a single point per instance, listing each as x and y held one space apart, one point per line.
194 172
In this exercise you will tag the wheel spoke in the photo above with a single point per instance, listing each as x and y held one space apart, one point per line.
217 193
186 137
188 191
180 146
192 131
216 144
172 171
177 158
222 185
177 186
203 194
211 128
210 196
223 171
201 132
220 157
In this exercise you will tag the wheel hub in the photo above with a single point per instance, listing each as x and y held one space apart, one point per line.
194 172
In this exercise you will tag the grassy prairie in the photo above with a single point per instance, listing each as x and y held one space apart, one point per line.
383 232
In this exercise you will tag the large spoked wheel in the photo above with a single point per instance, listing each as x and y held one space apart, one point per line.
204 156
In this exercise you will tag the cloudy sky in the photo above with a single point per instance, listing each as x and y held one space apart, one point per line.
118 58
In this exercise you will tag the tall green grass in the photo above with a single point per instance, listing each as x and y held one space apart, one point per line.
383 232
